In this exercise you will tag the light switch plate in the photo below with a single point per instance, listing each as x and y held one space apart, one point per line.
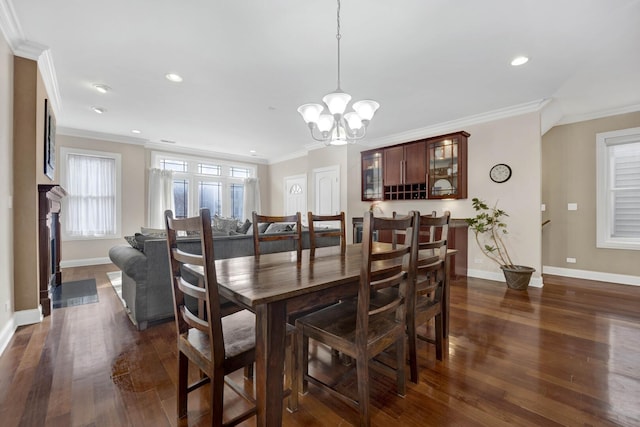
571 260
572 206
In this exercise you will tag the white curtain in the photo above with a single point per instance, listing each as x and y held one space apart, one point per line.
91 184
160 196
251 201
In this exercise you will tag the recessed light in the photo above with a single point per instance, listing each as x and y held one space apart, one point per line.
99 110
101 88
173 78
136 131
519 60
252 151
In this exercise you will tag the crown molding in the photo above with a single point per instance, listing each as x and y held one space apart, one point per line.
158 146
455 125
9 25
101 136
20 46
574 118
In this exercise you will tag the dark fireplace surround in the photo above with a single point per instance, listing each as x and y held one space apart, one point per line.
49 204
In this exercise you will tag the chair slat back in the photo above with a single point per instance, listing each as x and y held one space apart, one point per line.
263 237
315 233
206 290
432 254
402 258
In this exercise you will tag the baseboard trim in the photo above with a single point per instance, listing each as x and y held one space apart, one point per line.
28 317
6 334
19 318
535 282
621 279
84 262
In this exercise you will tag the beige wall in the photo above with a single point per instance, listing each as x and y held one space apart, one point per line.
316 159
6 190
133 200
515 141
28 172
569 176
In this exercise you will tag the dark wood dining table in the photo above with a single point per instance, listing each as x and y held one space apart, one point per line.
275 285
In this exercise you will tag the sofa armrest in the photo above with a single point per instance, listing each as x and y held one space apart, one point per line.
131 261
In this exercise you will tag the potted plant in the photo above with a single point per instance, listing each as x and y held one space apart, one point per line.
489 228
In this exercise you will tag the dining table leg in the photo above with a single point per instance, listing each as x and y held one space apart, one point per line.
270 355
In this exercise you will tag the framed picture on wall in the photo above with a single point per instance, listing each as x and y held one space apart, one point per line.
49 141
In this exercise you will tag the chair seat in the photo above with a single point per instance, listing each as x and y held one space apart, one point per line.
239 338
336 325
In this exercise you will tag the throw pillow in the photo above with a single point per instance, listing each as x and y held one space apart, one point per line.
133 242
154 232
278 228
141 238
224 224
244 227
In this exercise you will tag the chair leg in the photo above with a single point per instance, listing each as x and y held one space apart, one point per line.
401 361
439 332
183 374
248 372
303 361
362 369
412 335
291 363
217 397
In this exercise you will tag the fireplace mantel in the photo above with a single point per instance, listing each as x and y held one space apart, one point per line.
49 204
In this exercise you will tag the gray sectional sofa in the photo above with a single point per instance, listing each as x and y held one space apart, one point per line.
146 284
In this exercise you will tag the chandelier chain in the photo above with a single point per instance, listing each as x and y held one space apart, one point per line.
338 37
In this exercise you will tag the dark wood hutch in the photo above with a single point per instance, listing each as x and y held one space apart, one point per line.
430 168
49 205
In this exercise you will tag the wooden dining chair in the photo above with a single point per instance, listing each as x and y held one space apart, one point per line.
430 286
316 233
217 345
357 330
294 233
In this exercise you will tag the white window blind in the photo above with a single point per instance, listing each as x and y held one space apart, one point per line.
618 189
625 165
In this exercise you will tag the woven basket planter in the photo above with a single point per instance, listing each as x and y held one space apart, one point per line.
517 276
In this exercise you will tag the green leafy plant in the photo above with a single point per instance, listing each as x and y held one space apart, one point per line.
489 227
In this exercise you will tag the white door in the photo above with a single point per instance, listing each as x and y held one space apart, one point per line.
327 190
295 195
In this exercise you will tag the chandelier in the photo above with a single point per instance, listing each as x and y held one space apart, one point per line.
336 127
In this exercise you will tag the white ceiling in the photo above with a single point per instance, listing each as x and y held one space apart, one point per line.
248 65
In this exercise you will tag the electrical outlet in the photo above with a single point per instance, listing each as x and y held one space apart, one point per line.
543 207
571 260
572 206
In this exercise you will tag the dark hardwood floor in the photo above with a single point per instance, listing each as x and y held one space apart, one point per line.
567 354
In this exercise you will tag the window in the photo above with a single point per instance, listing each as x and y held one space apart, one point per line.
92 205
206 183
618 189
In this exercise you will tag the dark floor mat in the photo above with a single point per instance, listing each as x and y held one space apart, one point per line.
74 293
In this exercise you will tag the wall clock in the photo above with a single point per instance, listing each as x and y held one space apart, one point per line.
500 173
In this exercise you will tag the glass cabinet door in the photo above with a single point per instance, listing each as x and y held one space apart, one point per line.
446 158
372 175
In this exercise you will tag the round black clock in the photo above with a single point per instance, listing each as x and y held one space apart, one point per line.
500 173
